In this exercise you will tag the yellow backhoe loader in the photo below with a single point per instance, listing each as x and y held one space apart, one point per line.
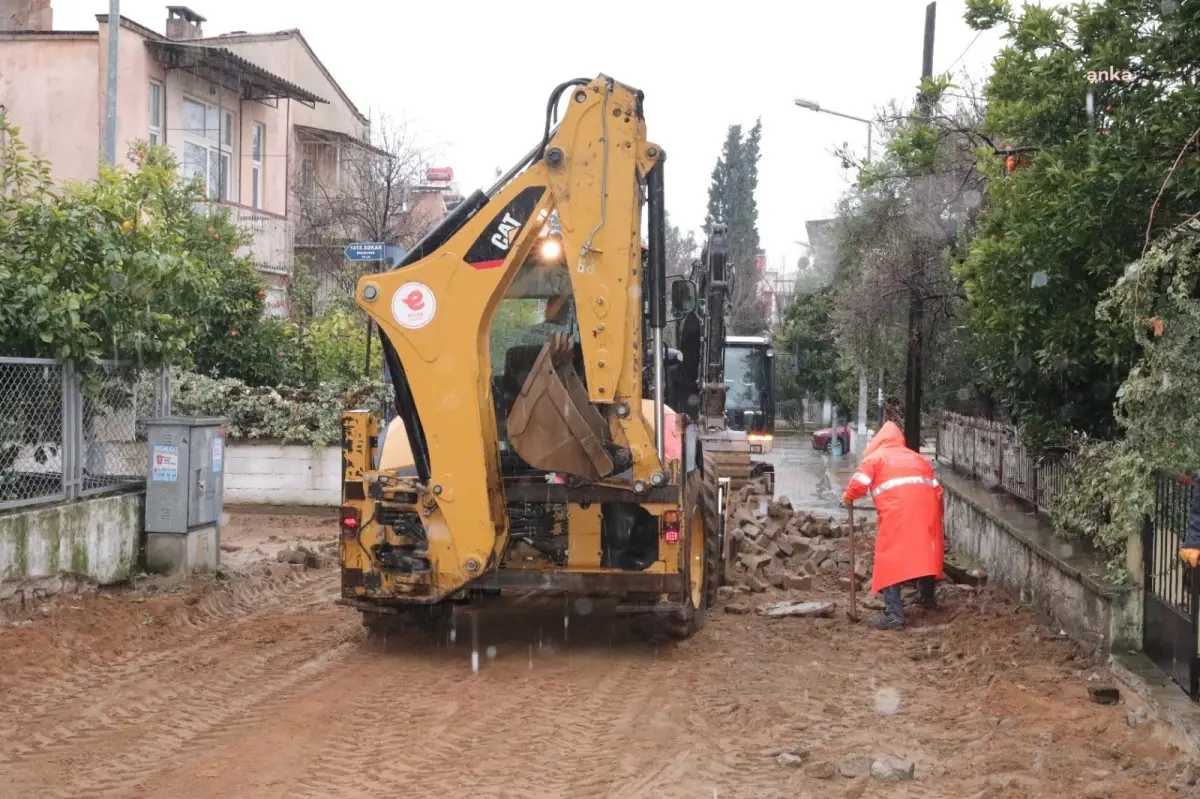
532 447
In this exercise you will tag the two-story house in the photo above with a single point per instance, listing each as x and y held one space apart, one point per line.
239 110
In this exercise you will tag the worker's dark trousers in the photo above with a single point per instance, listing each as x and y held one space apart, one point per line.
893 605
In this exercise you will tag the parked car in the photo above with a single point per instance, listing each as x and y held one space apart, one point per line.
823 439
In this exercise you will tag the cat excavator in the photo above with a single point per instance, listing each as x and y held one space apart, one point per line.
734 376
533 447
724 383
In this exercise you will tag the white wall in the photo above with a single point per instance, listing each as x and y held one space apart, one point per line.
272 474
95 538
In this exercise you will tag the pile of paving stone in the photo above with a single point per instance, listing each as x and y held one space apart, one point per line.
771 545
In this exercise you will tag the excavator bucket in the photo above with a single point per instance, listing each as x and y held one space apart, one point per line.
552 425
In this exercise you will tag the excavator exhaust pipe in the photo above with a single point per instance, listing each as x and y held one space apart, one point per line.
552 425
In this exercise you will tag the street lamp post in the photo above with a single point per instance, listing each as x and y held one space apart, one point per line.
815 106
812 105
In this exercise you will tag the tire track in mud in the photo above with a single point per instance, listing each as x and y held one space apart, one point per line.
422 718
91 703
217 619
111 761
430 734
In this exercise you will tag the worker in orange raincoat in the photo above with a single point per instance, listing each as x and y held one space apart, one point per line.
908 501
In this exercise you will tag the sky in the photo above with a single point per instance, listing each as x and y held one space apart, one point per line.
471 78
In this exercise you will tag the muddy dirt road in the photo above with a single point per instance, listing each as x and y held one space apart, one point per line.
256 685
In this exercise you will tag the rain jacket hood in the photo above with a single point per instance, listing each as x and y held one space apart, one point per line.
889 435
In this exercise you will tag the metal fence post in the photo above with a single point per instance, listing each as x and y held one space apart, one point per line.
1000 441
162 387
72 431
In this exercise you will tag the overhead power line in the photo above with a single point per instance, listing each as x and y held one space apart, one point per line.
964 52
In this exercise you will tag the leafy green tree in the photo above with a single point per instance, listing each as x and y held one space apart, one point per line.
682 249
1157 301
807 341
107 268
1058 233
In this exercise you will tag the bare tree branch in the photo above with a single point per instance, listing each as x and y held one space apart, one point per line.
349 190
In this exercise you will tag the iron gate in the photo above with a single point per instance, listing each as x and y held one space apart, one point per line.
1171 605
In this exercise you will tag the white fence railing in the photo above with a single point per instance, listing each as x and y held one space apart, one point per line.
272 235
994 453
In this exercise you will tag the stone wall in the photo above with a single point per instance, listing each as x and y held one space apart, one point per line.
1021 553
94 539
275 474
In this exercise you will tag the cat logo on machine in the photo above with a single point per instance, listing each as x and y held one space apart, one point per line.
413 305
491 248
502 237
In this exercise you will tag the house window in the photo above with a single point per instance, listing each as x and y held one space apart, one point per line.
208 147
256 165
156 113
308 179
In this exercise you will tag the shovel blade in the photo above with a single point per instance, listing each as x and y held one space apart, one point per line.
552 425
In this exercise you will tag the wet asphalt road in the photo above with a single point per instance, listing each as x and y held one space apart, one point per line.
812 480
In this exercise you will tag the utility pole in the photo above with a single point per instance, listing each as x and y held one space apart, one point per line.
916 302
110 101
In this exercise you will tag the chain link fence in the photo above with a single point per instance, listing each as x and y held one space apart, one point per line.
63 436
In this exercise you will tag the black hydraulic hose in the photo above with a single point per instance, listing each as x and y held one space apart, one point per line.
406 407
552 105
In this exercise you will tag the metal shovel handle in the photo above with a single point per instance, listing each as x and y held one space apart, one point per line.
853 564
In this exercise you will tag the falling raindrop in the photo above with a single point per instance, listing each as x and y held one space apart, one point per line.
1067 550
474 643
531 657
1039 280
887 701
491 652
583 606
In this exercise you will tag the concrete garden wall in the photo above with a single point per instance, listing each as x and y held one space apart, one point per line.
96 538
279 474
1020 552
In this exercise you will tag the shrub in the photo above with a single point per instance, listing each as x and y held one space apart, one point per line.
285 415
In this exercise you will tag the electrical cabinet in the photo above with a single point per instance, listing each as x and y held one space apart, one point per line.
185 481
185 486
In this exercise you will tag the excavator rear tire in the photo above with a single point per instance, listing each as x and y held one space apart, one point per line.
681 624
382 625
433 617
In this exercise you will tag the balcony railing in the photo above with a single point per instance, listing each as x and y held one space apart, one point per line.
271 243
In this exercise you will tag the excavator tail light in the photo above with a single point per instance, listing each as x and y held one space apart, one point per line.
670 526
350 521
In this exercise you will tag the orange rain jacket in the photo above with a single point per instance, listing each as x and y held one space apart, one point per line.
908 501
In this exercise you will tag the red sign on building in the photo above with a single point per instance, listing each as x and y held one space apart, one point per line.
439 174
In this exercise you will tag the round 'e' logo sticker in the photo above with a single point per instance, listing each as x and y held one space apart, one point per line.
413 305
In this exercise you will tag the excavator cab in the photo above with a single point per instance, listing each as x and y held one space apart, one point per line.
750 395
534 446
